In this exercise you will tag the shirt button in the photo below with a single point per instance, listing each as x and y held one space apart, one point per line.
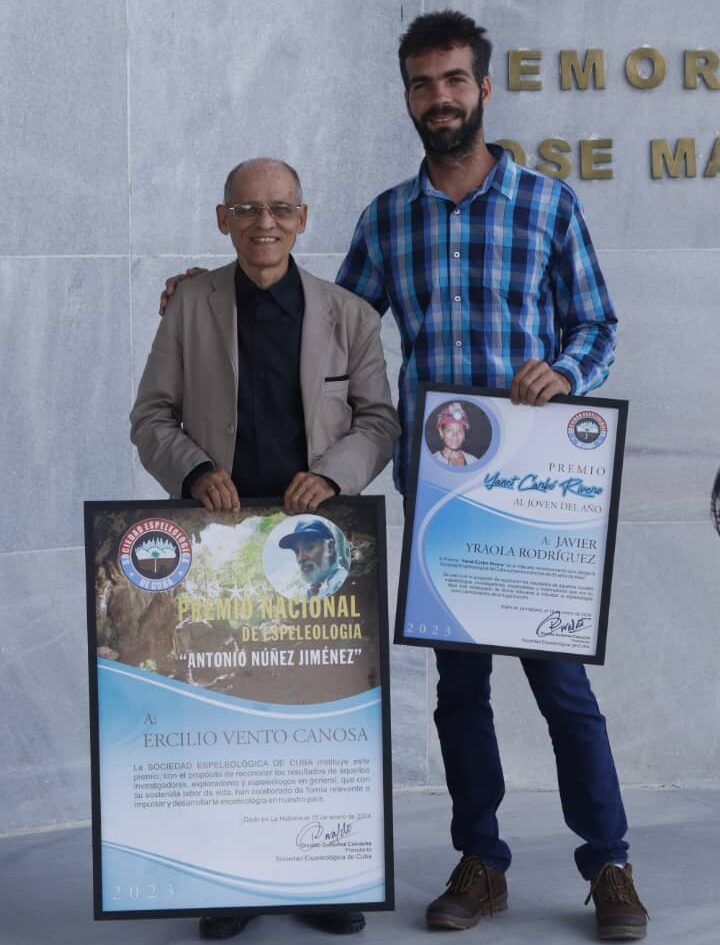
230 429
456 212
456 255
458 298
458 344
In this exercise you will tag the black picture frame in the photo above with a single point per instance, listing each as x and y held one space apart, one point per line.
368 512
421 449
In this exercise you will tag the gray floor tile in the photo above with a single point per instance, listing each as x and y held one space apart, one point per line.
674 839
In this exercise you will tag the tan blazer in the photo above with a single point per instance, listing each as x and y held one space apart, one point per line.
186 407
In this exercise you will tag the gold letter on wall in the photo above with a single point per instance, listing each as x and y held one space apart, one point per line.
701 63
713 165
663 160
570 68
555 164
632 67
516 150
518 68
595 151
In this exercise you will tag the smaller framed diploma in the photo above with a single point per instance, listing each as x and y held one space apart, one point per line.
511 521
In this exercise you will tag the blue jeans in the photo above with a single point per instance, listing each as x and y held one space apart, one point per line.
589 789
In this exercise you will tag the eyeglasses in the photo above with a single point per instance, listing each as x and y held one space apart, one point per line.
253 211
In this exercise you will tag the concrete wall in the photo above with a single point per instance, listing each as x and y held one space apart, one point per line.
119 123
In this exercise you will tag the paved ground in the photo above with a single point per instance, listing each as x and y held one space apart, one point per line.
45 880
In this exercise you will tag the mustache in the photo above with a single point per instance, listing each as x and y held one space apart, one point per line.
442 111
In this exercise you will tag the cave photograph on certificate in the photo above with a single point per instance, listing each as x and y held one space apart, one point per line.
239 706
246 608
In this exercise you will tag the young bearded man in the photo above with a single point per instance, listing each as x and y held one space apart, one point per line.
493 281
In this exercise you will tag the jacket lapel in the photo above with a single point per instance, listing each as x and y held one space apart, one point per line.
317 335
222 304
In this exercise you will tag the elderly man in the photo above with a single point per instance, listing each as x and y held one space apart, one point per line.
317 558
265 381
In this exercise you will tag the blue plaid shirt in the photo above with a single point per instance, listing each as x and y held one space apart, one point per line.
479 287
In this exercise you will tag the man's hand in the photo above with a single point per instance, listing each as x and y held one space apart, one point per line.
306 491
216 491
173 282
535 383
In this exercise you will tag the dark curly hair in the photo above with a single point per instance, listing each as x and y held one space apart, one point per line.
444 30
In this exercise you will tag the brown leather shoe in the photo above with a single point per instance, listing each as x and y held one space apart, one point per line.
474 889
618 910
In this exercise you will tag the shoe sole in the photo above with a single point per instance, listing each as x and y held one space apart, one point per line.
442 920
623 932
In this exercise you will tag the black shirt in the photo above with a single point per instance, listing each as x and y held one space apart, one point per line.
271 445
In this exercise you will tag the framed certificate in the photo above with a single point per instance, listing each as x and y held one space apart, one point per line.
511 520
239 708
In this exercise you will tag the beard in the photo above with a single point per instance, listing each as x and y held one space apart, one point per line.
313 572
450 142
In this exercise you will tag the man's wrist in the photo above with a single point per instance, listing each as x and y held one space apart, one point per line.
192 477
566 375
331 482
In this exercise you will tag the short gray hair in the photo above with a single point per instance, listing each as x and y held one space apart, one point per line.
227 194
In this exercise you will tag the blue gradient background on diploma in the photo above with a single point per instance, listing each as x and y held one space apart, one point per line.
137 874
455 522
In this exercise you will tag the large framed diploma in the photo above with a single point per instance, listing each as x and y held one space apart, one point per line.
239 708
511 521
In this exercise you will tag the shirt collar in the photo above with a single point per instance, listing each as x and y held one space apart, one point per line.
503 177
287 293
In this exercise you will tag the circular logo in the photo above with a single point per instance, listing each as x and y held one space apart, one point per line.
587 430
155 554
